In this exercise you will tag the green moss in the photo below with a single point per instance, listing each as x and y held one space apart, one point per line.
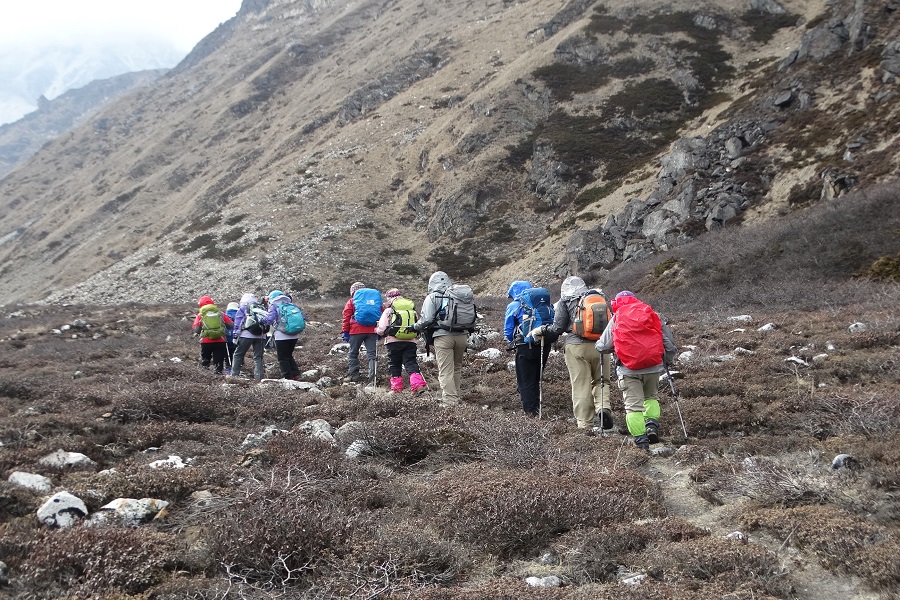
203 224
566 80
664 266
201 241
886 268
405 269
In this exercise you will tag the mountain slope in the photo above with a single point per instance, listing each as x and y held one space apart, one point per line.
309 144
21 139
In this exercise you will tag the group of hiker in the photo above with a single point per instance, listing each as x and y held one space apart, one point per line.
588 325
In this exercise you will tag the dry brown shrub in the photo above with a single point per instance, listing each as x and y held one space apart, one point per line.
169 484
506 511
83 561
501 588
596 555
842 542
155 434
285 527
718 415
175 400
16 501
730 563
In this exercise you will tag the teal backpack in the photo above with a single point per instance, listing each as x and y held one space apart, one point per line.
290 319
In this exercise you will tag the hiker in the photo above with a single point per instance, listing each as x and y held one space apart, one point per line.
531 355
588 371
359 334
400 341
230 312
249 332
212 327
281 313
644 346
448 316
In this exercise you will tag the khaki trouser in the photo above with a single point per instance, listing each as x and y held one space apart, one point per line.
590 394
641 396
448 352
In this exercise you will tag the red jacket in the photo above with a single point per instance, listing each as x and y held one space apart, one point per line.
197 327
349 324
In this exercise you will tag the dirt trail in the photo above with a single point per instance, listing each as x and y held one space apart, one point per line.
812 582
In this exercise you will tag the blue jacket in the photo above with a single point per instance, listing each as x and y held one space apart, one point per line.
514 311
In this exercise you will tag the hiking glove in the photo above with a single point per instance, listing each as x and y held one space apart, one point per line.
346 336
538 332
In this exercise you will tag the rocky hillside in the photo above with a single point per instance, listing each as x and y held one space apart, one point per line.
20 140
309 144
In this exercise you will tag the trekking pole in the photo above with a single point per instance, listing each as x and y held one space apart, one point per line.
675 396
541 381
602 389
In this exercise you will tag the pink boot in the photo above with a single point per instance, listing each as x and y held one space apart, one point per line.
396 384
417 383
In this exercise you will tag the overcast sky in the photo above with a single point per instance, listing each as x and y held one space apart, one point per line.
183 22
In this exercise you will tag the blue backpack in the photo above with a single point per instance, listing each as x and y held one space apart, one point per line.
367 307
537 310
290 319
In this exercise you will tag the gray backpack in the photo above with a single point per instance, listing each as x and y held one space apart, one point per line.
458 311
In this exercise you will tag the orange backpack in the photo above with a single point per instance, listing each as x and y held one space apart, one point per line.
591 316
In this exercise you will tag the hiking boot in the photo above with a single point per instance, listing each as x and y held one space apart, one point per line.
605 419
652 431
417 383
642 442
353 378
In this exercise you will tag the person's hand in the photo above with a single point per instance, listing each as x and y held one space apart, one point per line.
415 327
346 336
537 333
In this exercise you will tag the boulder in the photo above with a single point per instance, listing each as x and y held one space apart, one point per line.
255 440
62 510
62 459
320 429
129 511
35 483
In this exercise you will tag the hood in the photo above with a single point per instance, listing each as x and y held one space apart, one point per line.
248 298
233 306
622 298
204 300
282 299
573 287
517 287
275 294
439 281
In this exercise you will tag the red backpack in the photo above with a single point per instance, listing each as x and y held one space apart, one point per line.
637 336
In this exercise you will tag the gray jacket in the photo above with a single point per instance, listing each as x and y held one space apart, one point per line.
573 288
431 306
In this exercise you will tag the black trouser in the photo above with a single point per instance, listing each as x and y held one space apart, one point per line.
284 350
214 352
402 355
528 375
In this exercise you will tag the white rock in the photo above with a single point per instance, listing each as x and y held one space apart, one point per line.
720 358
36 483
820 358
858 327
511 365
62 510
843 461
61 459
173 462
737 536
549 581
175 359
319 428
634 579
830 346
741 318
130 512
767 327
342 348
686 356
744 351
290 384
490 353
312 373
255 440
358 448
738 330
797 361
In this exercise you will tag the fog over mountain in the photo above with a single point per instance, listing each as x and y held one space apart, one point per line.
49 70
